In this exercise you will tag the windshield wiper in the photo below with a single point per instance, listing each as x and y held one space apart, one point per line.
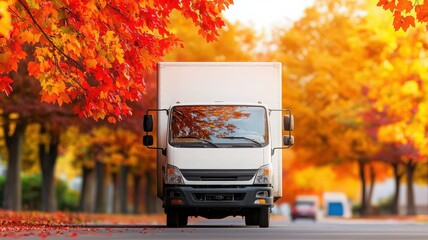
246 138
202 140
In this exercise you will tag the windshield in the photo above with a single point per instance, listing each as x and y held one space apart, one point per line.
218 126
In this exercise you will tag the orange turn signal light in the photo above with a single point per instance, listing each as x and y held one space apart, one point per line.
260 201
176 201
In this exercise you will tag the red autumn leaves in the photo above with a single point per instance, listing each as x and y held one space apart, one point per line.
94 55
44 225
406 13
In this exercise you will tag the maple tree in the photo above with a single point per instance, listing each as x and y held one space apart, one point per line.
124 152
107 154
322 59
18 112
336 62
402 104
96 62
389 80
94 54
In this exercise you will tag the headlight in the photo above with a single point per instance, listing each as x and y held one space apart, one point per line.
173 175
264 175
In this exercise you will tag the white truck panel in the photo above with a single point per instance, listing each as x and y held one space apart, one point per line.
218 158
228 82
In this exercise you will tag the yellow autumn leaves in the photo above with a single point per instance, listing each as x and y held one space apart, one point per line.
5 18
116 147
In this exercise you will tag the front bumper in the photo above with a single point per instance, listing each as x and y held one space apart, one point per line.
200 197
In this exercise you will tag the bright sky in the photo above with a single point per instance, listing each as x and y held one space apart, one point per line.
265 14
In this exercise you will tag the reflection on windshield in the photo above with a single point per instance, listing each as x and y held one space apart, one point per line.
218 126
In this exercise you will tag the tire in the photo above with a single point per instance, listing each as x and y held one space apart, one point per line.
252 219
176 218
264 215
182 219
172 218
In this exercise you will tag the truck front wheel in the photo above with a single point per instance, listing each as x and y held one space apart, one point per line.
252 219
176 218
183 219
264 217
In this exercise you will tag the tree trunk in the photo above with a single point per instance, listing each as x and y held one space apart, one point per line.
371 189
116 192
123 188
86 195
397 180
47 164
12 197
137 193
152 202
100 194
361 168
410 170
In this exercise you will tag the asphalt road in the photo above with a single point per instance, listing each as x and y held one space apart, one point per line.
233 228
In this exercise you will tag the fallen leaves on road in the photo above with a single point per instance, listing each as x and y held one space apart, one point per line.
43 225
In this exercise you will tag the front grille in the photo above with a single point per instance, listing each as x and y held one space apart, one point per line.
218 175
216 179
215 197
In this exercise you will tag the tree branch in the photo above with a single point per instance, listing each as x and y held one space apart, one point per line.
78 65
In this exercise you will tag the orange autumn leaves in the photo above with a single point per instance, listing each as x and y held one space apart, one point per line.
114 147
357 88
94 55
406 12
5 26
96 61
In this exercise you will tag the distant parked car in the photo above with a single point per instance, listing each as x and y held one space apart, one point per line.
305 207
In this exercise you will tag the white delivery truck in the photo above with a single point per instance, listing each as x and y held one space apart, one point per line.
219 139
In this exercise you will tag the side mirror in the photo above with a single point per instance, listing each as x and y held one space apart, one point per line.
148 124
288 140
288 122
148 140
